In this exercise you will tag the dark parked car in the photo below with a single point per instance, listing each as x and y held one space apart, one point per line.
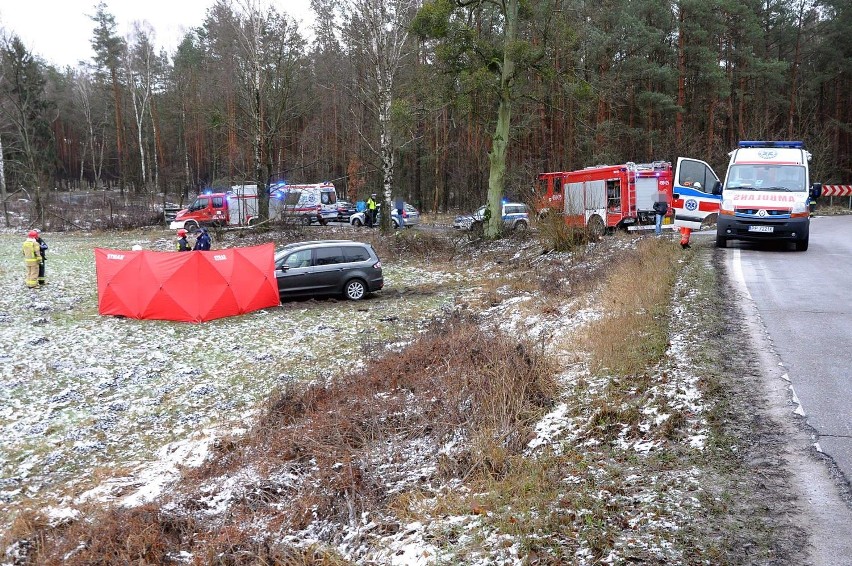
328 267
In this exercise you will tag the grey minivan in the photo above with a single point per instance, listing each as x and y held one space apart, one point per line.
328 267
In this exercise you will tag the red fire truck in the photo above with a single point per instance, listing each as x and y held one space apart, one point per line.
608 196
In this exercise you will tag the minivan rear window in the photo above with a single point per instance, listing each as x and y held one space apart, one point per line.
329 256
356 253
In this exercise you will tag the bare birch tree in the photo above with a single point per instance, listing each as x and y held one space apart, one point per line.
378 31
269 51
139 67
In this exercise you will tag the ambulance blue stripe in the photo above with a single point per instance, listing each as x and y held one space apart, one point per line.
689 192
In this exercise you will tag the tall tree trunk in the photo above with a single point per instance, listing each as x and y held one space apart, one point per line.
119 128
186 169
681 78
386 154
3 183
158 148
500 141
794 71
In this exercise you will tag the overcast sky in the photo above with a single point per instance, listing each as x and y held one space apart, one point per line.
60 31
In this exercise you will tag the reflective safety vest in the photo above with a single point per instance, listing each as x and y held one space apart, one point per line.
31 251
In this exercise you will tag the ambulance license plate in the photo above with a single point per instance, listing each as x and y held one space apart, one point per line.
761 228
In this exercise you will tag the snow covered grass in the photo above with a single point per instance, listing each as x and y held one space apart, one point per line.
426 456
86 397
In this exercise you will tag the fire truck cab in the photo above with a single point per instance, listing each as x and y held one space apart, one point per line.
608 196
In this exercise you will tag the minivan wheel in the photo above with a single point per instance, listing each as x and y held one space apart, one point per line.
520 226
306 220
355 289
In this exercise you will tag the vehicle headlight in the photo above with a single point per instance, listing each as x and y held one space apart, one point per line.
799 208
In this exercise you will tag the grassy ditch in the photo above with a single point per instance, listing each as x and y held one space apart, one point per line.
471 444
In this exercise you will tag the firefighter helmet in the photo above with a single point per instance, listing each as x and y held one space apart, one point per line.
181 233
33 234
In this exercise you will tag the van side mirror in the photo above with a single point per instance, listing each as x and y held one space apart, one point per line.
717 188
816 190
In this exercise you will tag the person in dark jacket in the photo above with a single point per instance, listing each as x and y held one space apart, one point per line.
202 240
182 243
42 248
661 207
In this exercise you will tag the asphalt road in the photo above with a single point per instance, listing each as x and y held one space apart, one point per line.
805 301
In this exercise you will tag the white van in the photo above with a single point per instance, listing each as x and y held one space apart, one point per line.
308 203
766 194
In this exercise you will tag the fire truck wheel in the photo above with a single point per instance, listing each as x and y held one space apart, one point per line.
190 225
596 227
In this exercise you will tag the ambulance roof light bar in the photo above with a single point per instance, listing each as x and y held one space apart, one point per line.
788 144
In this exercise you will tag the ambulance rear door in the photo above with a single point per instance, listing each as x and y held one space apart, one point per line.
696 194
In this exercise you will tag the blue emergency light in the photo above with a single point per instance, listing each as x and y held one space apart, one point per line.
787 144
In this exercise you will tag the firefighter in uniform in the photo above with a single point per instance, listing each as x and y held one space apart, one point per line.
42 246
32 259
182 243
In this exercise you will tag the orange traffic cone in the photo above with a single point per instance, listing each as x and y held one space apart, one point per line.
685 233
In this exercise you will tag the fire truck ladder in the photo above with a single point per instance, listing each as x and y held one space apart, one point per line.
631 189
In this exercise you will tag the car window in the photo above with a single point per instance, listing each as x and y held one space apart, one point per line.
515 209
329 256
301 258
356 253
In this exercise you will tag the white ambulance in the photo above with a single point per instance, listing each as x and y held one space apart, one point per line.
766 194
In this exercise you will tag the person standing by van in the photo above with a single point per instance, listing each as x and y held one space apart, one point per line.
661 207
400 211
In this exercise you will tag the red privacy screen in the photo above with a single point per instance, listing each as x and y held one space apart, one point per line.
185 286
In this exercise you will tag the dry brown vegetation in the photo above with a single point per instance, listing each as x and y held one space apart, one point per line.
456 382
439 428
